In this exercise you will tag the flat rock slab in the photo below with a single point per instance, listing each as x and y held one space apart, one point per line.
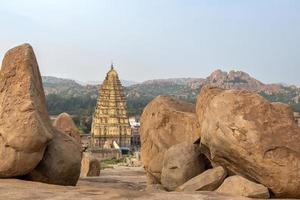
119 183
209 180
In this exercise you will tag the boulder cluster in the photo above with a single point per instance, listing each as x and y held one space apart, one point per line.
30 147
231 141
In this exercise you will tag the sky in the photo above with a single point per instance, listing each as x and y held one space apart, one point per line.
153 39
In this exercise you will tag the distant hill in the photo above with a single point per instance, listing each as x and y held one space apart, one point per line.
67 87
125 83
70 96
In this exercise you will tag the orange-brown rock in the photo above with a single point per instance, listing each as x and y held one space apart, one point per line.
209 180
61 163
65 124
181 162
243 132
90 166
165 122
25 127
240 186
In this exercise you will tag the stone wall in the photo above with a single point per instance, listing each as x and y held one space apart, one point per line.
297 117
103 154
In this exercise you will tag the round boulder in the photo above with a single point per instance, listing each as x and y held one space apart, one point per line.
252 137
61 163
181 163
65 124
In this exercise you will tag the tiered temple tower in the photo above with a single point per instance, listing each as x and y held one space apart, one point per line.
110 121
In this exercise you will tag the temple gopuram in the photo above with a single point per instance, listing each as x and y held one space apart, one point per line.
110 126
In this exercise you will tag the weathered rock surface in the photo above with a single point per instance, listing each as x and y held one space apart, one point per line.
155 188
61 163
65 124
181 163
243 132
209 180
25 127
119 183
239 186
164 123
90 166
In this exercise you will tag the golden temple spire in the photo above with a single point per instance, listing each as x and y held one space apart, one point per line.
110 120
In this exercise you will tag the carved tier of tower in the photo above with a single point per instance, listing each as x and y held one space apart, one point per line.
110 121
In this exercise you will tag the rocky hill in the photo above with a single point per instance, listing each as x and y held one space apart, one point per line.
70 96
67 87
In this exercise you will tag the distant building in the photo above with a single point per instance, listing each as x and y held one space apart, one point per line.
135 127
110 125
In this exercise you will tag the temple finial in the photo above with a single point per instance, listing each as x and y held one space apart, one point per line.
112 65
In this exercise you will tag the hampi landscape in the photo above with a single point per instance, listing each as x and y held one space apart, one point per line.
91 106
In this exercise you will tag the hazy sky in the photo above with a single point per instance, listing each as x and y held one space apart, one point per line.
157 38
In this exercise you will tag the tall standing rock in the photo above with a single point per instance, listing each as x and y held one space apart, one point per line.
29 145
65 124
90 166
165 122
243 132
25 127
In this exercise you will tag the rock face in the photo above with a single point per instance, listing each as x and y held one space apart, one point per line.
65 124
181 163
90 166
209 180
165 122
249 136
61 163
234 80
25 127
237 185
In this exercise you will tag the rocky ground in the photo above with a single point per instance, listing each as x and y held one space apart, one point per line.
117 183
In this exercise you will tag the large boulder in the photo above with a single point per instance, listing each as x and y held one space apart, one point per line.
65 124
239 186
25 127
181 163
90 166
209 180
243 132
61 163
165 122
